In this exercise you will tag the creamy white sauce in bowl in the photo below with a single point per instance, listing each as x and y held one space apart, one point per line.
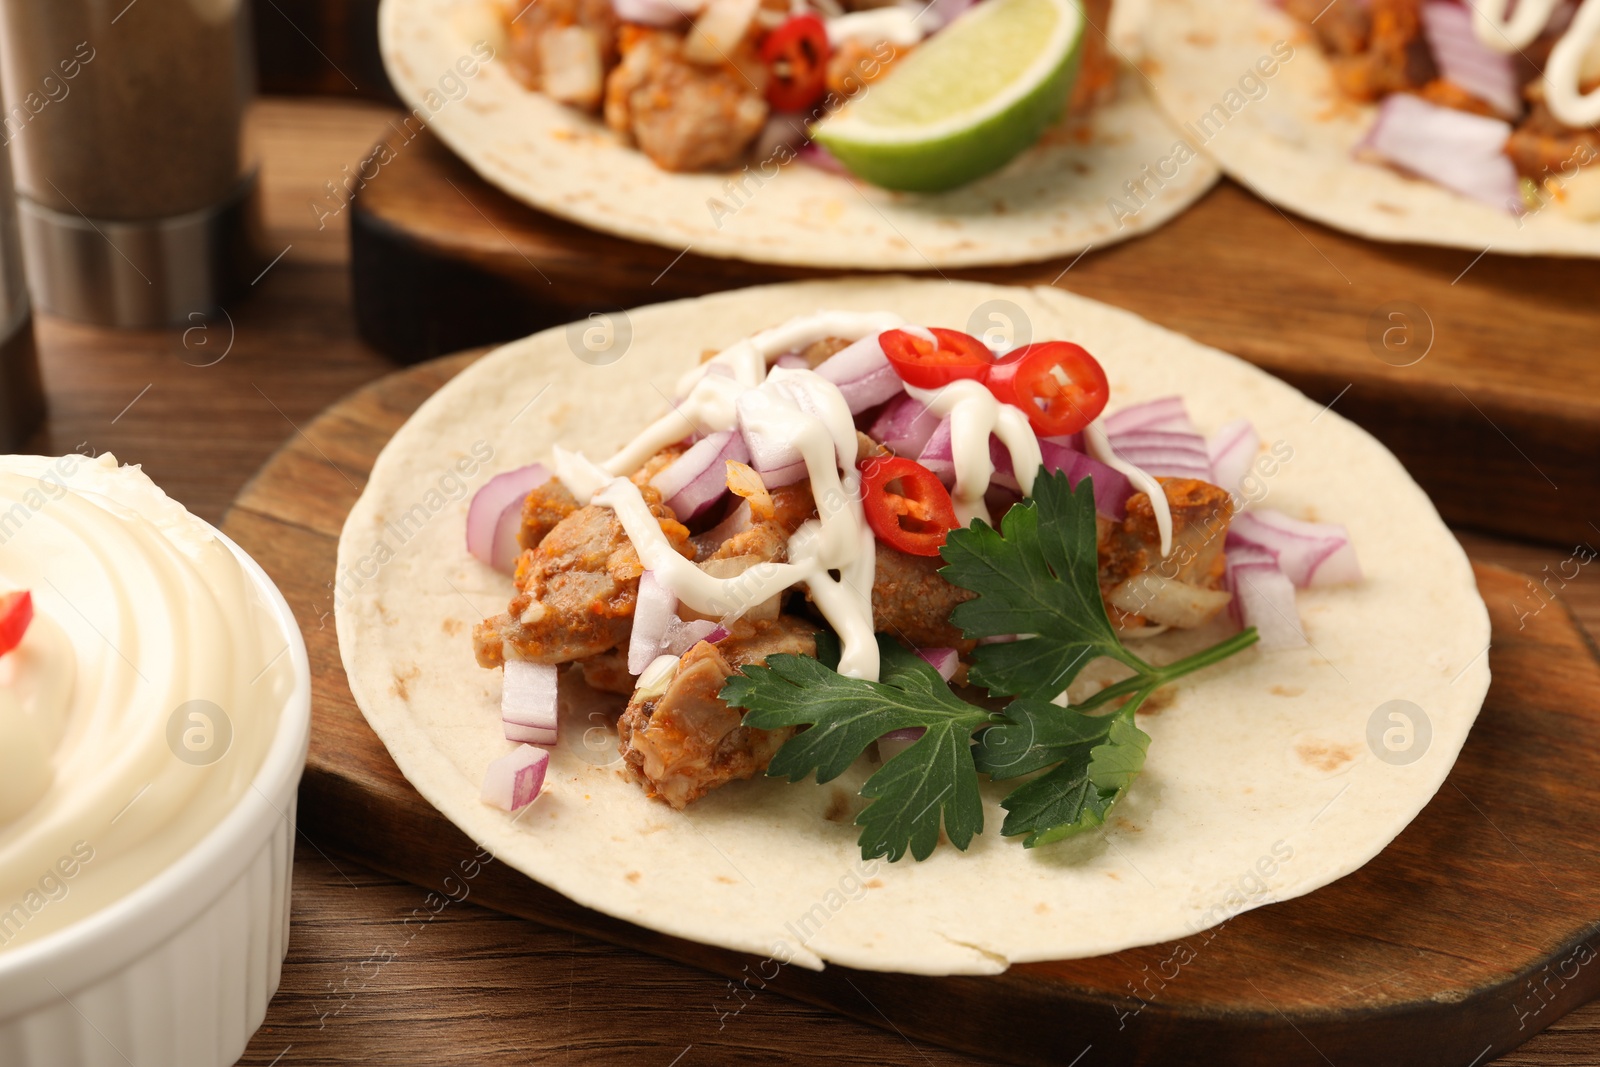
165 684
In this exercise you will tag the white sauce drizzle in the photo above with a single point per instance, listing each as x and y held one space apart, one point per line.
834 555
974 415
1094 436
1492 27
1563 72
710 400
800 409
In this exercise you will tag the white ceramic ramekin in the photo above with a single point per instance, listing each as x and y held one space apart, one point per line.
177 973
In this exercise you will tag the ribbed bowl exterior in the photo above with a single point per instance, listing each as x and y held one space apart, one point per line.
178 973
192 1001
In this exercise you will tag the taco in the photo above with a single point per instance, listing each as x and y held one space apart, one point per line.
1401 120
1097 648
689 124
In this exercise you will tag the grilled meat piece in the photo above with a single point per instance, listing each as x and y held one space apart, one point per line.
543 510
684 116
607 672
547 56
913 602
1447 93
1391 56
766 538
1542 146
1201 513
575 591
688 741
551 502
1342 29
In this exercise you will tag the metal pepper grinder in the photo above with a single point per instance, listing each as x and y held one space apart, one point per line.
124 124
21 392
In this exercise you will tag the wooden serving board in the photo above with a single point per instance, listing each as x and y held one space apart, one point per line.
1478 927
1499 418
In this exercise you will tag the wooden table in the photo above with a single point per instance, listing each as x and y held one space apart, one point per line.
202 410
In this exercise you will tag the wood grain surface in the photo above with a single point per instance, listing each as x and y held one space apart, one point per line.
473 986
1499 396
1454 944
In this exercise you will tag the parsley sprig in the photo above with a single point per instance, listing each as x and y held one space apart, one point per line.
934 780
1037 575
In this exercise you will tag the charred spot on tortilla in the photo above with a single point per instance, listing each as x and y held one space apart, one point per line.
402 681
1325 756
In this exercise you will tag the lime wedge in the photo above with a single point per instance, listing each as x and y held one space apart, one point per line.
965 102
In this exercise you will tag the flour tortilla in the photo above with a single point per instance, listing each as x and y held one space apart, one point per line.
1292 146
1260 783
1052 201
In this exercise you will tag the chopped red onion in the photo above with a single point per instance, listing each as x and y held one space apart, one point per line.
1264 597
936 15
905 425
682 636
1073 441
1111 487
1005 473
776 459
656 12
938 454
514 780
495 515
785 474
528 735
784 135
698 478
817 156
943 660
1457 150
1232 449
1466 61
895 742
1164 453
652 618
1167 413
1308 553
528 702
1241 554
792 361
863 374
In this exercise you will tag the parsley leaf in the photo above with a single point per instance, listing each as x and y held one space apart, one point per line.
1034 734
933 782
1038 574
1079 793
1098 756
